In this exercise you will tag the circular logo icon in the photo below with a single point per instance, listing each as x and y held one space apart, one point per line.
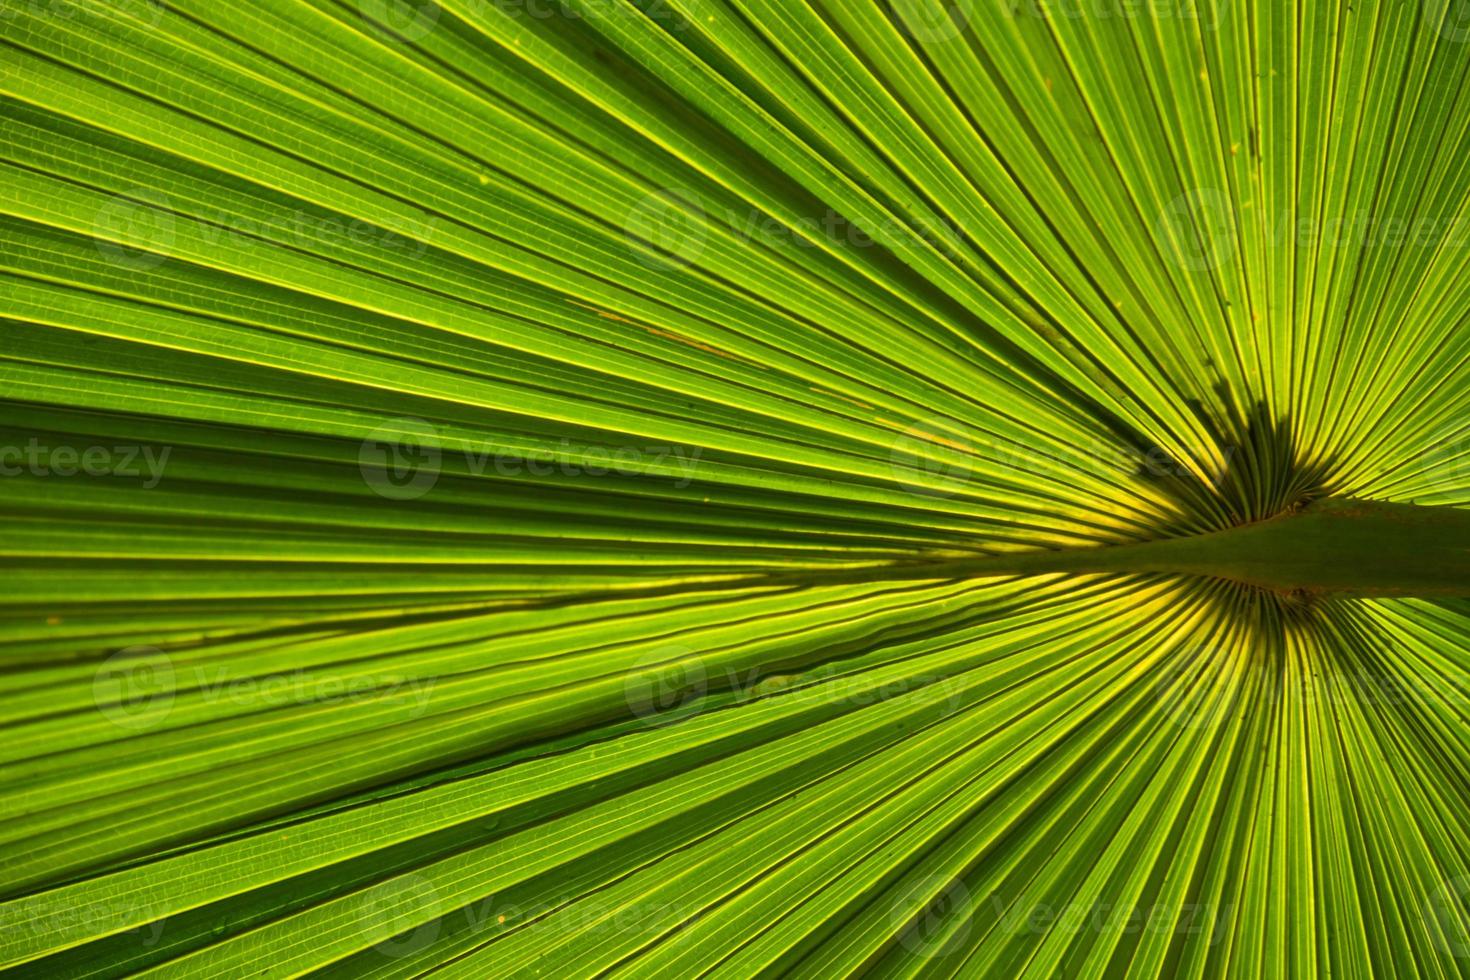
1196 232
1188 687
401 916
932 916
1210 13
150 12
672 223
1207 13
665 686
134 688
47 9
931 21
1447 461
1450 19
135 231
401 20
1448 907
400 460
925 458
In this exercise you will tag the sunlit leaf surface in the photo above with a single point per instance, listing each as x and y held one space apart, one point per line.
464 465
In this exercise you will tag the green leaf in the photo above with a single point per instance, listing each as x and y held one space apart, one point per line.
734 488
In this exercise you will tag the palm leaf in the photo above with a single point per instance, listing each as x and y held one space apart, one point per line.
734 487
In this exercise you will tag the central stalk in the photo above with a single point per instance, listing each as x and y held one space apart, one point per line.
1338 547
